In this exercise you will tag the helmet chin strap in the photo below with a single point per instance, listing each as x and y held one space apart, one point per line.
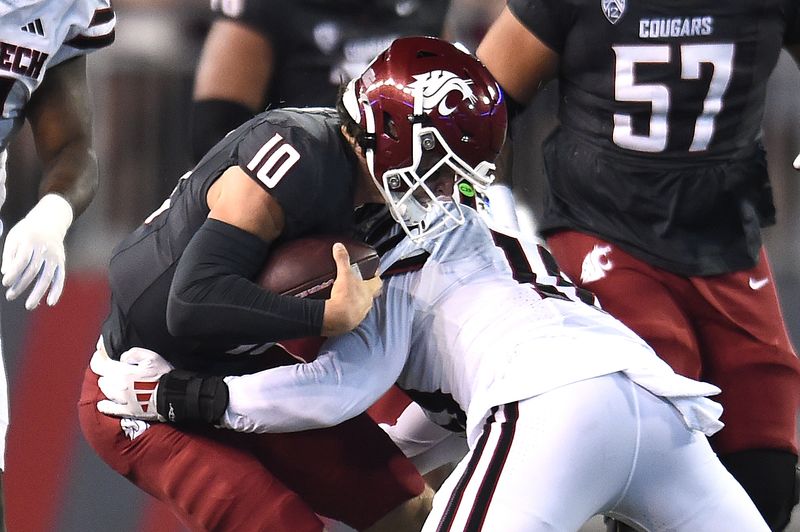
369 153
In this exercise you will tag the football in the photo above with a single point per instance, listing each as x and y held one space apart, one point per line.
304 267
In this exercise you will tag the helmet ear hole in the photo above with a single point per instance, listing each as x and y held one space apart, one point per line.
389 127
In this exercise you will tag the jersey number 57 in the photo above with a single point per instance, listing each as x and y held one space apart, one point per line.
692 56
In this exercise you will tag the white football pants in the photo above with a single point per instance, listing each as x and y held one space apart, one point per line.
603 445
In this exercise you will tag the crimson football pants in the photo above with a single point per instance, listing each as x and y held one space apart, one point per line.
724 329
216 479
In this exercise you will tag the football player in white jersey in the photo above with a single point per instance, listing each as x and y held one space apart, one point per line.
567 412
43 45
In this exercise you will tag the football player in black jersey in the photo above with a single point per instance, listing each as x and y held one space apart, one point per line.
182 285
273 53
658 187
270 53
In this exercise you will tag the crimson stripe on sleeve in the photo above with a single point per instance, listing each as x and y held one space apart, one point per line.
83 42
101 16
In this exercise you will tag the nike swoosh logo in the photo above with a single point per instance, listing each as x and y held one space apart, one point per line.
755 284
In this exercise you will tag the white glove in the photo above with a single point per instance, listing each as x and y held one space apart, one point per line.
35 249
796 162
130 385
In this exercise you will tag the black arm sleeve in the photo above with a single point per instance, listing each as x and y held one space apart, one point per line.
792 34
515 110
211 120
549 20
212 294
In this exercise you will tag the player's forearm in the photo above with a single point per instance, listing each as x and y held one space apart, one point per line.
72 174
323 393
60 116
212 295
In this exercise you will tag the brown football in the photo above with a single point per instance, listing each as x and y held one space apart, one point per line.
304 267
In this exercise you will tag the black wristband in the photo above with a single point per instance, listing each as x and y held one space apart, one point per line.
185 397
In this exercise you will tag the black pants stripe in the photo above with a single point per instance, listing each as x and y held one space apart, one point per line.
488 477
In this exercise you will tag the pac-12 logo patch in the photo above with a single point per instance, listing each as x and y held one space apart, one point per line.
432 88
613 9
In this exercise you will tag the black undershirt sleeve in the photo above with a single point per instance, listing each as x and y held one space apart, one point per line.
792 34
514 109
211 120
549 20
212 294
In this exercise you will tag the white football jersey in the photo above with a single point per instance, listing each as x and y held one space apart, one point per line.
36 35
461 335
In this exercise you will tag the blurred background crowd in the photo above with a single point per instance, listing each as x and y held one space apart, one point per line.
142 89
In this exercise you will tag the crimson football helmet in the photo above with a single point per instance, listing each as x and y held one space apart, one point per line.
429 111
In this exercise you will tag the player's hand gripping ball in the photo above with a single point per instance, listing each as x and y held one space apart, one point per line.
305 267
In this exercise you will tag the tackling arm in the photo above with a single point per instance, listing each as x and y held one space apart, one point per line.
351 372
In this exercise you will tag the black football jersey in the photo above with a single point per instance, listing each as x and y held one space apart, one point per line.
318 44
299 157
660 112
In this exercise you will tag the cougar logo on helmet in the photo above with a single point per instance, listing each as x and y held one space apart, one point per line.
454 132
433 87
